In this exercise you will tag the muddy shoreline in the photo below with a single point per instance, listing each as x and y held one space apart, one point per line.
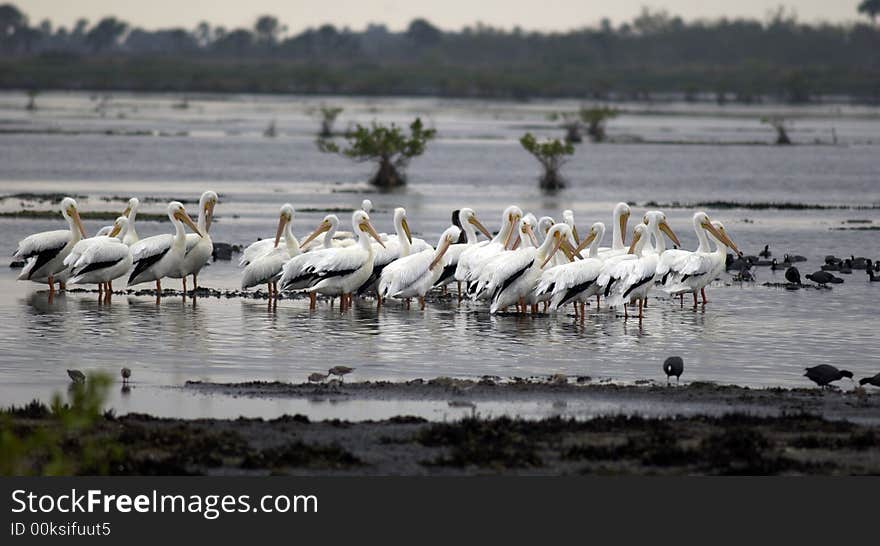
701 428
646 398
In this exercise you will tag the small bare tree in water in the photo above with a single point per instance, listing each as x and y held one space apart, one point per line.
595 119
781 125
592 119
571 122
386 145
328 118
552 154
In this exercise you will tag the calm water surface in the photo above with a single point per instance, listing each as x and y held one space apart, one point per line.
748 334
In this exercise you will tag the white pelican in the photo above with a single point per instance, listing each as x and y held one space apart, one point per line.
264 246
267 268
156 257
693 271
130 212
525 239
396 246
515 277
326 235
466 220
657 223
45 252
630 277
472 259
618 231
199 246
100 260
117 229
414 275
574 282
334 271
673 259
568 218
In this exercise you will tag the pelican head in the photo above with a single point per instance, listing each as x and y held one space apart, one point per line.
527 228
329 222
206 207
469 216
449 237
621 216
119 227
401 224
177 213
132 206
640 237
71 214
544 225
596 233
655 218
568 218
557 237
284 219
360 221
512 216
367 206
717 231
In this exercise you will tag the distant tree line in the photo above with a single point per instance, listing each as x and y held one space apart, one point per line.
655 53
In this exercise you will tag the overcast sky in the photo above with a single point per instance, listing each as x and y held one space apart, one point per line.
448 14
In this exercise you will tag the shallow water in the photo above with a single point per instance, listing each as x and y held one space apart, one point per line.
748 334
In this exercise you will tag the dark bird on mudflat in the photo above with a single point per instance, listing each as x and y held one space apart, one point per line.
824 374
126 374
766 252
789 258
674 365
822 278
793 276
873 380
76 376
871 276
776 266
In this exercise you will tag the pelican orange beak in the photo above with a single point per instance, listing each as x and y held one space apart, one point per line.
574 233
209 214
406 230
323 227
722 236
559 242
444 246
127 211
184 217
473 220
624 218
531 233
77 220
632 247
282 221
568 250
664 227
586 242
513 219
368 227
115 231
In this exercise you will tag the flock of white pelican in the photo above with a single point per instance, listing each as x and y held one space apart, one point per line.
529 262
116 251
